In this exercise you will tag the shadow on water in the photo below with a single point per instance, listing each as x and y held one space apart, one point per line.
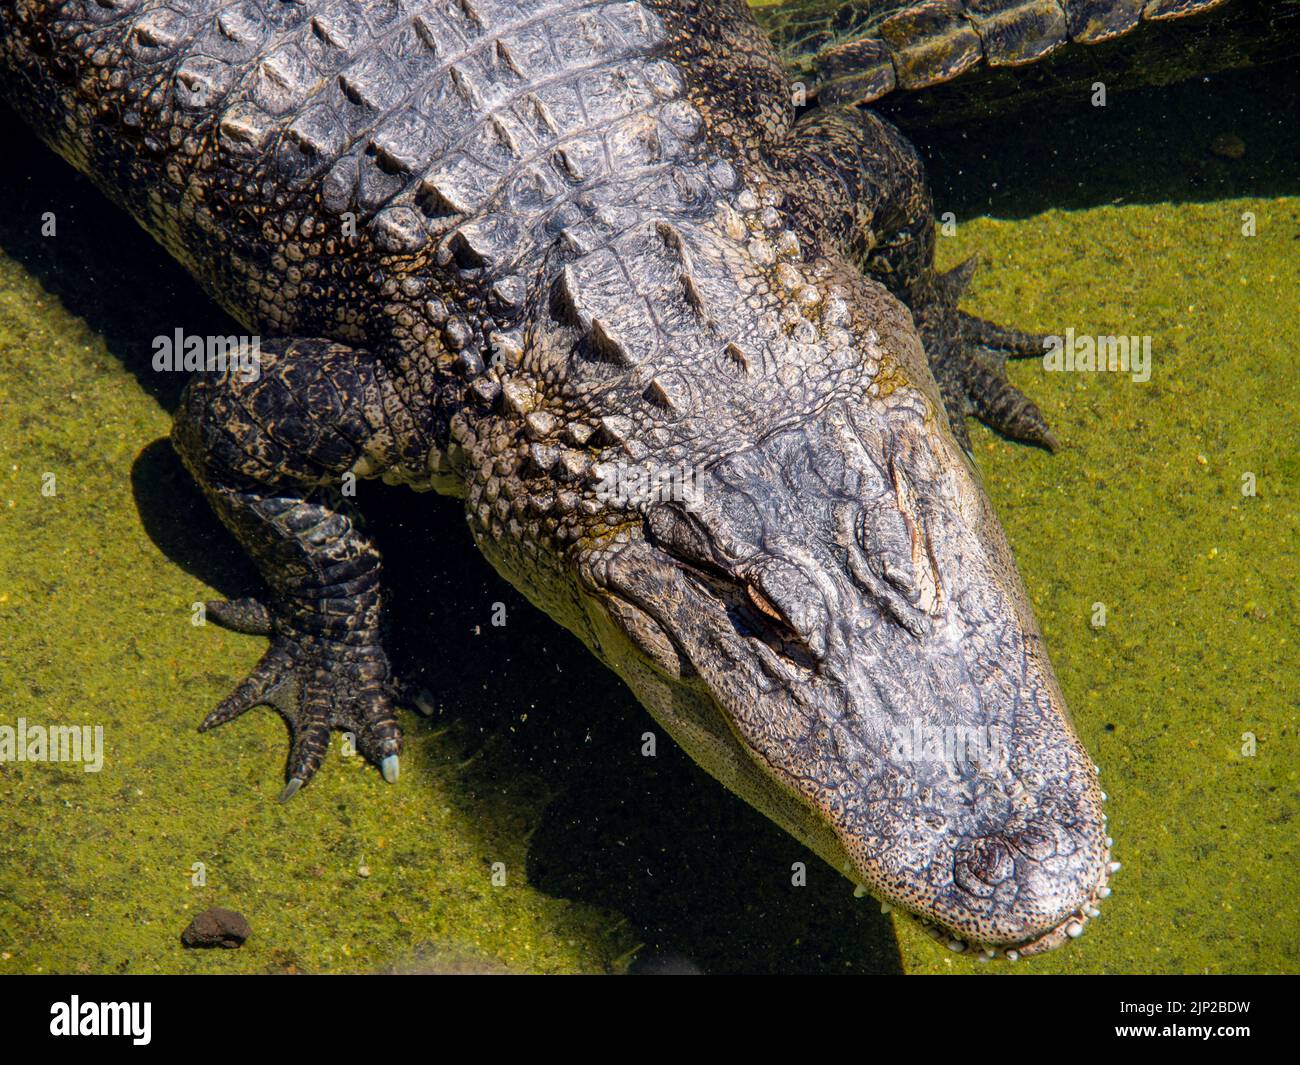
1154 145
698 874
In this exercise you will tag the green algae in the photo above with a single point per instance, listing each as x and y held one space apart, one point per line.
1143 511
532 760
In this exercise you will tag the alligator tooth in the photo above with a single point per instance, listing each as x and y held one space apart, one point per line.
1104 893
1074 929
956 946
1013 955
859 891
885 907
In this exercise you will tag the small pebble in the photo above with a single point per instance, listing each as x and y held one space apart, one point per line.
216 927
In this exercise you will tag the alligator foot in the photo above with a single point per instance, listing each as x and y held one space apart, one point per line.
318 686
275 454
968 357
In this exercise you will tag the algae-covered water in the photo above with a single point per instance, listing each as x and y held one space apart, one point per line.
527 832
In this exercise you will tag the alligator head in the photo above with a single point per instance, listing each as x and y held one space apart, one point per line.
775 540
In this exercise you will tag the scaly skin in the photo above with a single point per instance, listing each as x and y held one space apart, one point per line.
857 51
526 253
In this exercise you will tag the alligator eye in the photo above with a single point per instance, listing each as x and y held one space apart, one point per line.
761 601
802 618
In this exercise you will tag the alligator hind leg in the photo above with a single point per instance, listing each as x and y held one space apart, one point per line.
272 451
886 222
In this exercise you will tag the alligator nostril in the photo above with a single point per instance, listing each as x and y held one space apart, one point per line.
981 864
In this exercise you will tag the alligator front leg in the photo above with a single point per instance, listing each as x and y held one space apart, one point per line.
271 450
886 222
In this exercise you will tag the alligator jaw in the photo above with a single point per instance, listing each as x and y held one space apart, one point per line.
836 630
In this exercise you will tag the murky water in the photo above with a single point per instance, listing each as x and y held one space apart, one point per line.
1123 222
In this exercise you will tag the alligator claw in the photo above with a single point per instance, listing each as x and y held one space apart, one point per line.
968 356
992 398
318 688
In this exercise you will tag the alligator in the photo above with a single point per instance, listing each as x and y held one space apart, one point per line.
681 352
954 62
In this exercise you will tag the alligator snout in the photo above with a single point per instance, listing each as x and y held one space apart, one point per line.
865 668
